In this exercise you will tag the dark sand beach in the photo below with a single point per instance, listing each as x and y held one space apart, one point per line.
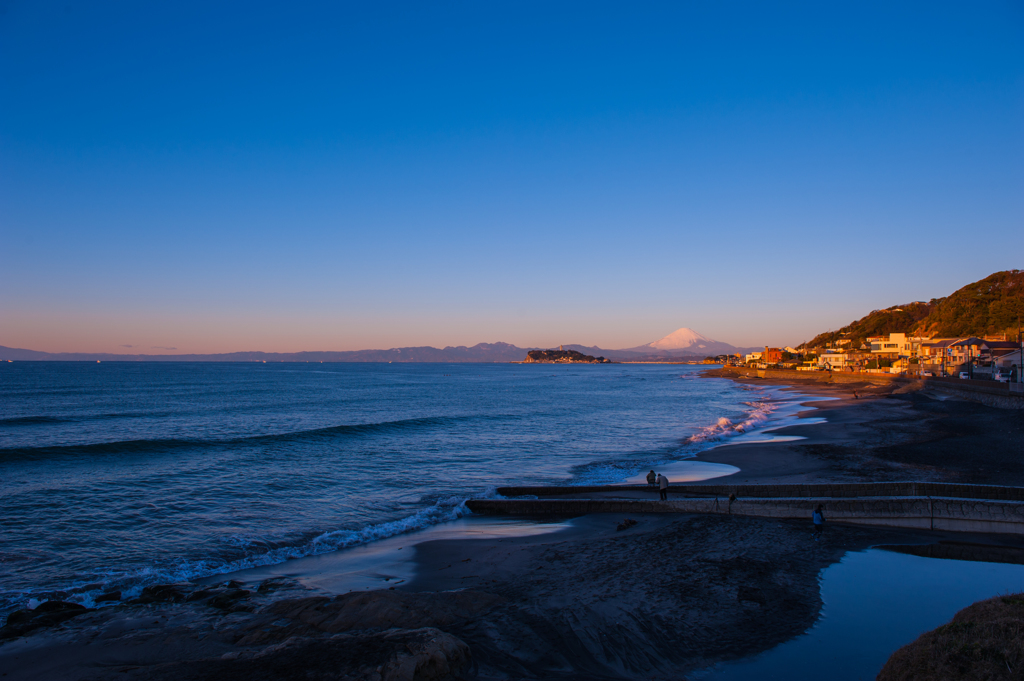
669 596
888 432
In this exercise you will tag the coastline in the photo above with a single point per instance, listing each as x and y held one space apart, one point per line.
801 460
888 432
674 594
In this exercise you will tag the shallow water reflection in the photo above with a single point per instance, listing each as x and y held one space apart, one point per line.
685 471
875 602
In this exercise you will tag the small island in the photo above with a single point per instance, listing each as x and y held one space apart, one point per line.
561 356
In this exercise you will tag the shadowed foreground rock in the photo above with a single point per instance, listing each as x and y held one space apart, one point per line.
48 614
983 641
394 655
376 636
367 610
189 633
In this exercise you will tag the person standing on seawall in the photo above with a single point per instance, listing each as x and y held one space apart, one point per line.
819 521
651 478
663 486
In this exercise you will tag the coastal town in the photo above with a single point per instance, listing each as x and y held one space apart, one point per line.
970 358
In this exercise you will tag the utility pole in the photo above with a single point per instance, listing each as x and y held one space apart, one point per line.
1020 343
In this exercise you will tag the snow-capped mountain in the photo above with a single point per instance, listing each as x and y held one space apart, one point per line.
686 341
680 339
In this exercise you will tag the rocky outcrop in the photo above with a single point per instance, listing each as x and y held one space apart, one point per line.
381 610
185 631
47 614
982 641
372 635
425 654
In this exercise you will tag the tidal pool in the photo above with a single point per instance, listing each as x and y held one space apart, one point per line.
876 601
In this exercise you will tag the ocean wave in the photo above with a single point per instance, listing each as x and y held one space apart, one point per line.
100 448
614 471
15 421
132 582
170 444
724 428
331 432
30 420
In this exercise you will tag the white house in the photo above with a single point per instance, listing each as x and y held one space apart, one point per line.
833 360
896 344
1008 361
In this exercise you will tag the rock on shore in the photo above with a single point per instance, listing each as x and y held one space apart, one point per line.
184 632
983 641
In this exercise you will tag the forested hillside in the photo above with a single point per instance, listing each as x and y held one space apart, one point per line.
988 307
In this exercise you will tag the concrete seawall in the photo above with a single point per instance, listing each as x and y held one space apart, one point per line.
819 376
938 513
830 490
1000 398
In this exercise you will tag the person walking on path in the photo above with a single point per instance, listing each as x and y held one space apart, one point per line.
819 521
651 478
663 486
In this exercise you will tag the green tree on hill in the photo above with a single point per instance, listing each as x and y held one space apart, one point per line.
988 307
896 319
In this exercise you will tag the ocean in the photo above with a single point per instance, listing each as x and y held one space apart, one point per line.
119 475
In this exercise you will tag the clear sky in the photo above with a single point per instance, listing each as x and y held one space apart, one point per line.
334 176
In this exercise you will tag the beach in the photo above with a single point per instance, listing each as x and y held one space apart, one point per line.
575 599
887 432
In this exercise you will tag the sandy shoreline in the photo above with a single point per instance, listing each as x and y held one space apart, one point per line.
665 598
886 432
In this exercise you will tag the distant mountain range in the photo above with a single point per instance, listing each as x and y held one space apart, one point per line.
683 344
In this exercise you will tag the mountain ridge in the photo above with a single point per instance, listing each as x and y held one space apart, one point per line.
481 352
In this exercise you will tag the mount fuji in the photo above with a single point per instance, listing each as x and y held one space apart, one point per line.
686 341
680 339
681 343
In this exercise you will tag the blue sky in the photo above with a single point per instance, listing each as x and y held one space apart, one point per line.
324 176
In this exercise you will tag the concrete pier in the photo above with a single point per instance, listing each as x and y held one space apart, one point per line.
976 508
827 489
